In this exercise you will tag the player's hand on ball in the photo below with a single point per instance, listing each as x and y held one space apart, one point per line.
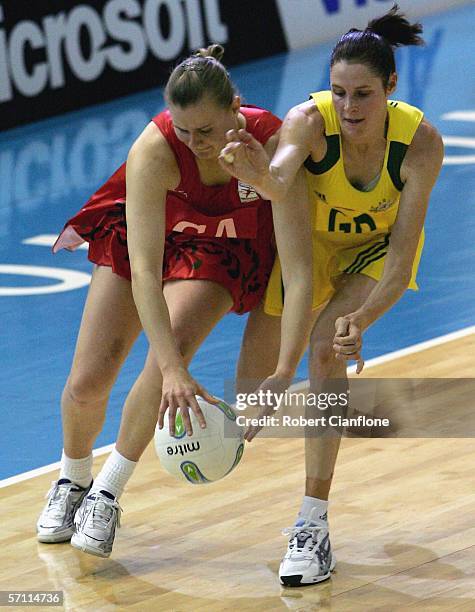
179 391
347 342
244 157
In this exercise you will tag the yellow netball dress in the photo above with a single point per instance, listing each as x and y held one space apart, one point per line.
351 227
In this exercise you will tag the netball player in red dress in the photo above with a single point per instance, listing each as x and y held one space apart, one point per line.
170 216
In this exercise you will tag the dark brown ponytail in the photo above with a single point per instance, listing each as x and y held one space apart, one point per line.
374 46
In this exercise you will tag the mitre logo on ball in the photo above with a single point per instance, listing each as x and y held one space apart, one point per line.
209 454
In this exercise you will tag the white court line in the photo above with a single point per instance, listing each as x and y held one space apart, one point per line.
48 240
410 350
48 468
468 115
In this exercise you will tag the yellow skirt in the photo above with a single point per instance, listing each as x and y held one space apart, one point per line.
331 259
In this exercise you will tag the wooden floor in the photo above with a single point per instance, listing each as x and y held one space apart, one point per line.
402 525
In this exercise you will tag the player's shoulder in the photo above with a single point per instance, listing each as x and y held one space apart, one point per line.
250 110
425 155
427 135
305 113
427 143
305 118
153 144
260 122
256 116
151 152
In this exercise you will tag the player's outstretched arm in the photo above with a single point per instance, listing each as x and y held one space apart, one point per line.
151 171
292 225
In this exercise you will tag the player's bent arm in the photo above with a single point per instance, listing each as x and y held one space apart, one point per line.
292 225
151 170
419 173
301 132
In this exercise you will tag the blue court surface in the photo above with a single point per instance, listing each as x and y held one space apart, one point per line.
50 168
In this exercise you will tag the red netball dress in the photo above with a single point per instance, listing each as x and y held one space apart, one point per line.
222 233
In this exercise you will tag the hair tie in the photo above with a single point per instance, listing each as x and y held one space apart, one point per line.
192 67
373 33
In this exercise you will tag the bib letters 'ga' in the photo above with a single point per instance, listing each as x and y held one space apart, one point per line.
351 227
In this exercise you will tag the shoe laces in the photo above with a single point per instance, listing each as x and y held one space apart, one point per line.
102 511
58 498
304 538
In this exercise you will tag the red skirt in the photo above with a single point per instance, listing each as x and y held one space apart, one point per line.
242 266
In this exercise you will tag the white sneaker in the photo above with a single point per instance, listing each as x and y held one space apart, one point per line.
56 521
309 557
95 524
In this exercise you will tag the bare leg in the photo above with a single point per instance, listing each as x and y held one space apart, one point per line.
195 308
259 350
321 452
109 327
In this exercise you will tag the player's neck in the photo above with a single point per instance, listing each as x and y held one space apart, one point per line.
370 140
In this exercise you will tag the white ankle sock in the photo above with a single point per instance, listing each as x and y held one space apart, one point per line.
309 503
76 470
114 475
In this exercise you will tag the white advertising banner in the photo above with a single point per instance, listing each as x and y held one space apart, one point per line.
309 22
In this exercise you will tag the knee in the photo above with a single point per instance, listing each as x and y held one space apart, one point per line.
85 387
93 374
185 342
322 357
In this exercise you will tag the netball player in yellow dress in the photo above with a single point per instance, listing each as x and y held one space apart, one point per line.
370 165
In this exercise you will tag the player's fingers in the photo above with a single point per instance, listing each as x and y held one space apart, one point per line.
162 410
171 416
248 139
228 154
207 396
349 349
341 326
352 338
348 356
161 413
185 415
341 347
192 402
360 365
344 347
232 135
231 147
250 433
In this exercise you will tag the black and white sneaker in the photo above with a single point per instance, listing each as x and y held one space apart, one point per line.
56 521
95 524
309 557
